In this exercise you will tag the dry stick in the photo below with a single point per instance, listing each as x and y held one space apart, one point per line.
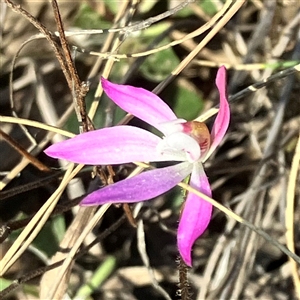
24 152
243 67
251 89
28 186
289 214
254 87
65 48
79 89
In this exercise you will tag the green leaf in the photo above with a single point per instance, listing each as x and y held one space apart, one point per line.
46 241
207 6
99 276
5 283
58 226
113 5
186 102
159 65
88 18
27 288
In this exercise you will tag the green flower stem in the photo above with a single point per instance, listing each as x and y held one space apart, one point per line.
101 274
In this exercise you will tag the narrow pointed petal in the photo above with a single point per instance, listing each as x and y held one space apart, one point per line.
223 117
140 103
195 216
113 145
142 187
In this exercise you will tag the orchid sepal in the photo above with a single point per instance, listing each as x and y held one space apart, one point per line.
139 102
109 146
223 117
196 214
144 186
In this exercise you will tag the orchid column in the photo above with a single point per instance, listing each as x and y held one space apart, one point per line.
186 142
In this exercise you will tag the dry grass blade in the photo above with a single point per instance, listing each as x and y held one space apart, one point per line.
57 287
54 129
225 19
189 36
143 253
289 214
34 226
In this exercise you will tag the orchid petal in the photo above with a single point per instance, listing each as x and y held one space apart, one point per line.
141 187
113 145
195 216
139 102
223 117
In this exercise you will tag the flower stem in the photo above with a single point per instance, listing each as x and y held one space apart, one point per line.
183 285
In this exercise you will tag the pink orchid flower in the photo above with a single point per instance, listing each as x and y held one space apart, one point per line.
187 142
